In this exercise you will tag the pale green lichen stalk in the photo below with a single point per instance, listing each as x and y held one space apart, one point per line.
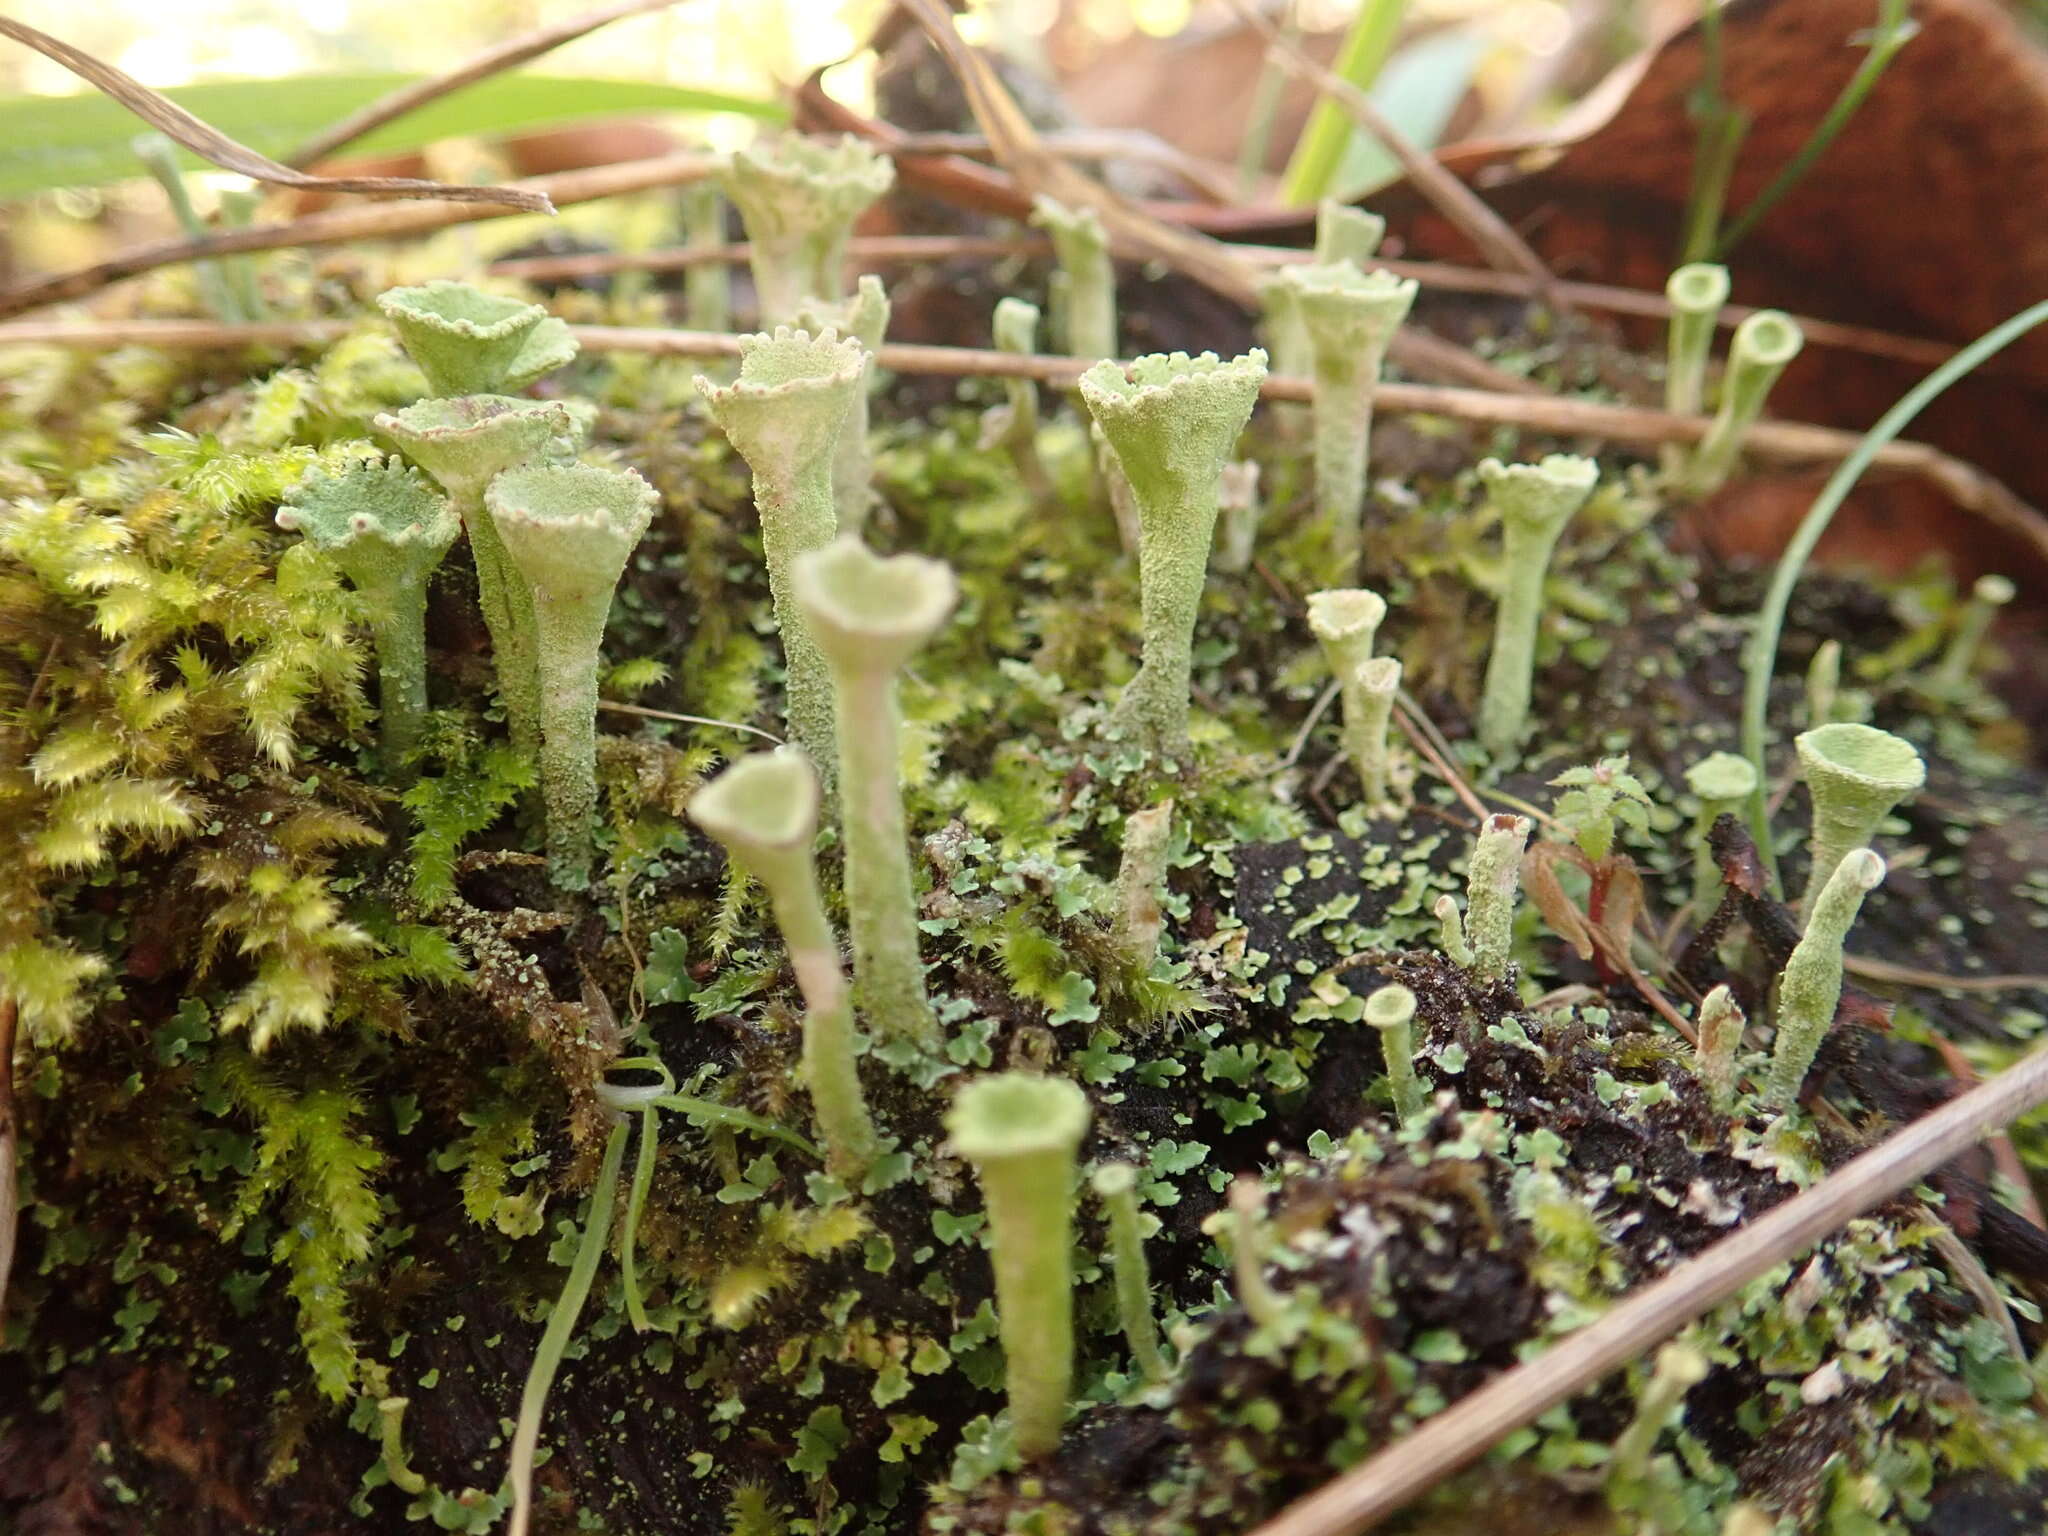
1116 1186
864 317
1535 501
1377 685
1021 1133
1764 344
1493 882
799 199
1087 277
1248 1253
1351 318
869 616
1696 292
387 530
464 443
1855 776
1724 782
1172 421
1345 622
1240 510
784 414
1679 1368
1013 425
1811 985
568 531
1720 1025
764 809
1391 1011
707 285
1140 879
1952 674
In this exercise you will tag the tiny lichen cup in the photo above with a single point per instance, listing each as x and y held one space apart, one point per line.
869 616
799 198
464 443
1021 1132
864 317
1081 246
1724 782
1764 346
784 413
1351 318
468 342
1172 421
1855 775
387 530
1535 501
764 810
1391 1011
568 530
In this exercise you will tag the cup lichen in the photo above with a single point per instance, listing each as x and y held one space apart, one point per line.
1724 782
764 810
1172 421
1493 882
864 317
1391 1011
387 530
568 530
799 198
1951 676
1855 776
1810 986
1765 344
784 414
868 616
1535 501
1021 1132
1116 1186
1088 277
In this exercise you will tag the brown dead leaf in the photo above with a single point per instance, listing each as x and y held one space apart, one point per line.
1923 218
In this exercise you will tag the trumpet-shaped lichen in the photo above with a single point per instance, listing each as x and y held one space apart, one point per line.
567 531
1765 343
1855 776
1087 287
387 530
1724 782
764 809
1172 422
1952 674
1811 985
1116 1186
1535 501
784 414
869 616
468 342
1351 318
799 199
864 317
1021 1134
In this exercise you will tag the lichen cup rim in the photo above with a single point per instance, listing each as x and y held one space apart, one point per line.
768 800
1863 754
1343 613
891 600
1721 776
1016 1114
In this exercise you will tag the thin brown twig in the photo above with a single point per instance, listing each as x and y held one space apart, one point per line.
1367 1494
1781 442
1447 277
1939 981
336 226
1465 209
492 61
210 144
1134 146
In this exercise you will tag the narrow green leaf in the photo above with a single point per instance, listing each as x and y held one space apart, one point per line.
72 141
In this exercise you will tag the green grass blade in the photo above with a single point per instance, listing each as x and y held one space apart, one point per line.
84 140
1321 149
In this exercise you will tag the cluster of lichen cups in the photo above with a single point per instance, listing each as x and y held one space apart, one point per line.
552 537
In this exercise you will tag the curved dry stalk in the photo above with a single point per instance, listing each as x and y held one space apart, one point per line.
1781 442
1449 196
338 226
1383 1484
492 61
210 144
